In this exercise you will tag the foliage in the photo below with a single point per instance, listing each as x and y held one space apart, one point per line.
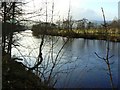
43 27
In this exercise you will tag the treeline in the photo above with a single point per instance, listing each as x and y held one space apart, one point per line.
77 25
43 27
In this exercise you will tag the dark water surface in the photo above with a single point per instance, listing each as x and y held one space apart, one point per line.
88 70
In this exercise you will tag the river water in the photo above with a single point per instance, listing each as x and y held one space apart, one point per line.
77 63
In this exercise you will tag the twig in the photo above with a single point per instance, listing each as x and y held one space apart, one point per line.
54 63
40 58
106 59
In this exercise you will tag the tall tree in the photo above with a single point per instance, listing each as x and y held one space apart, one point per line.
10 12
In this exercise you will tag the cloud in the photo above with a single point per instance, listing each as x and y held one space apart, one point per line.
90 9
86 13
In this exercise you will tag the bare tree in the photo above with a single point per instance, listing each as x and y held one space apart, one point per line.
10 12
107 58
45 68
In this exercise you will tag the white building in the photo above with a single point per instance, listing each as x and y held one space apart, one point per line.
119 10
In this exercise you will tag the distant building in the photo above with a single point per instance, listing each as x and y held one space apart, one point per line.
119 10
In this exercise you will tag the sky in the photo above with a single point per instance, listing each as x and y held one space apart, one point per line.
90 9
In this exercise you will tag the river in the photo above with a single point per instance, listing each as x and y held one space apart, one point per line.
80 67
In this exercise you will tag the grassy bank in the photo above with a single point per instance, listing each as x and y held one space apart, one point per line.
112 35
15 76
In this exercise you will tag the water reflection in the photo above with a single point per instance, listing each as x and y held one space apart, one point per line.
89 72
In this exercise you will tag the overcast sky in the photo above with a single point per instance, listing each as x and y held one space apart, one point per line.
90 9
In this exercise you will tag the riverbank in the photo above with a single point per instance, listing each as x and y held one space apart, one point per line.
15 76
112 35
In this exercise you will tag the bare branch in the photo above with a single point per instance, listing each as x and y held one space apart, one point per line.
99 56
111 56
40 58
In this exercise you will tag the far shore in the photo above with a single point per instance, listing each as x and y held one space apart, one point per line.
87 34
